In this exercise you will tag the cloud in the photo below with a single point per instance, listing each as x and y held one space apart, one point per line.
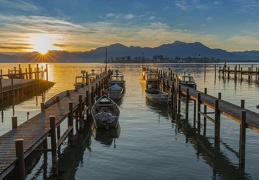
181 4
19 5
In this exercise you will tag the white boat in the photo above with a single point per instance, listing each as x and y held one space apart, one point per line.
105 113
186 80
149 77
156 96
117 79
80 80
115 92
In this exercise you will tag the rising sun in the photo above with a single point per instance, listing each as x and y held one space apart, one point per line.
42 43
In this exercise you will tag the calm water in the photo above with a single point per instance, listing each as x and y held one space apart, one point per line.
150 144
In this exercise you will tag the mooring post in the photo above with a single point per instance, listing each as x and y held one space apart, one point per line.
242 103
194 113
80 111
205 112
242 141
14 122
217 121
70 124
20 156
37 71
179 100
1 90
42 106
53 145
30 73
228 72
187 105
241 73
219 95
198 113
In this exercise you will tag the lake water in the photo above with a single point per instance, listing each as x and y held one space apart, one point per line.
150 145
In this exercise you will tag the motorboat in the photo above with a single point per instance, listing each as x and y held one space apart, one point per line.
149 77
116 86
156 96
80 80
186 80
105 113
115 92
117 79
93 76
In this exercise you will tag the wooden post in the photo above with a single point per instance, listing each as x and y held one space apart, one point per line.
228 72
37 72
80 107
53 145
187 105
47 72
20 156
205 112
199 115
242 103
179 100
14 122
242 141
42 106
70 123
217 121
219 95
1 90
30 73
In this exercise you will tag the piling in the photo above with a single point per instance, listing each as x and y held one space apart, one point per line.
20 156
242 140
53 146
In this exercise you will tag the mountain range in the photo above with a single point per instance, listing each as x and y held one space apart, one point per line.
178 48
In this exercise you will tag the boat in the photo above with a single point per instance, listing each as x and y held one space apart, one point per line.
115 92
186 80
116 86
117 79
156 96
149 77
105 113
80 80
92 77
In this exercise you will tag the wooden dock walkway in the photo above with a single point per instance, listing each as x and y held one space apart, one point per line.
36 130
246 118
226 108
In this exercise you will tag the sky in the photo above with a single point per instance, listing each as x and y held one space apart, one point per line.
83 25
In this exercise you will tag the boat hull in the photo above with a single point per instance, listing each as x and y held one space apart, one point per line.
157 97
105 113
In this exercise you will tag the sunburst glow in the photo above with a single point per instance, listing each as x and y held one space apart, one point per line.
42 43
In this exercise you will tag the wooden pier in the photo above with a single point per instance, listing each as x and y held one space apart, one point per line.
17 144
16 82
239 72
202 100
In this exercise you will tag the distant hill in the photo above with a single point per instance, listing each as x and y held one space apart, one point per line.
175 49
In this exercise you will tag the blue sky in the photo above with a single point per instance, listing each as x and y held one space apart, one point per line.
82 25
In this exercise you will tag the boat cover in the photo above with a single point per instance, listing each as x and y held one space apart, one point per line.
115 87
104 116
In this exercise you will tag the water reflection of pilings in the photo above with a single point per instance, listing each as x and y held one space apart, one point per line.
18 97
210 152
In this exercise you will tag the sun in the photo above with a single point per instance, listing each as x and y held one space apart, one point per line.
42 43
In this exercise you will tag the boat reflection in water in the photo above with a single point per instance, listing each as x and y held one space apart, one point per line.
106 136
